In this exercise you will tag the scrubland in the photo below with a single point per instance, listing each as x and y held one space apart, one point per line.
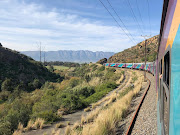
104 119
82 86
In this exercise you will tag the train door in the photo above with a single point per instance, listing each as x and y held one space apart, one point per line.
164 92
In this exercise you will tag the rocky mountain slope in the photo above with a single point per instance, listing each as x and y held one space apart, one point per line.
135 54
69 55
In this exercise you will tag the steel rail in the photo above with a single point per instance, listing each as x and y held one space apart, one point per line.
137 111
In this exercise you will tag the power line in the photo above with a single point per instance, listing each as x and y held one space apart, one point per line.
120 20
149 16
115 20
139 13
134 16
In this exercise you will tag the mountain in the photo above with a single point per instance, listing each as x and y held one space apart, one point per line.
18 69
69 55
135 54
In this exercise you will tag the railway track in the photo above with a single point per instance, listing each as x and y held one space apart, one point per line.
144 117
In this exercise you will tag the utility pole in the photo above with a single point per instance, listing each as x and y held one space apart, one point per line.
44 57
145 37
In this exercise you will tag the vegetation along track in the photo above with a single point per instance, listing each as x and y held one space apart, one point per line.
141 118
77 117
145 121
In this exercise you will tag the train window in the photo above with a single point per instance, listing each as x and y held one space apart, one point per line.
166 68
165 112
161 67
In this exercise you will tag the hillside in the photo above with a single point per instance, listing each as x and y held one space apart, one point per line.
135 54
20 70
80 56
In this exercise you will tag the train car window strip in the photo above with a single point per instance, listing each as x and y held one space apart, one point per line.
166 68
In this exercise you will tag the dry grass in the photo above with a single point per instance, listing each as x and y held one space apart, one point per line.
60 125
92 115
104 122
20 127
83 120
87 109
55 132
76 125
107 120
29 125
39 123
120 80
68 123
17 132
67 131
95 81
112 99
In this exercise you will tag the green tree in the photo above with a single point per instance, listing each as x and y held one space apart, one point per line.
5 128
51 68
37 83
87 78
7 85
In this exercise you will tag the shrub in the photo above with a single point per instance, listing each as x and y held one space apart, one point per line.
87 78
85 91
37 83
5 128
73 82
47 115
102 68
4 95
70 102
7 85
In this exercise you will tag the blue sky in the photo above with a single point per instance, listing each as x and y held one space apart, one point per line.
76 24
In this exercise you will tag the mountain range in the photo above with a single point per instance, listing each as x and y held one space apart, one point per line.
80 56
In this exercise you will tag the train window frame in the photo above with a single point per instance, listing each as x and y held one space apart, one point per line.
166 73
166 89
161 66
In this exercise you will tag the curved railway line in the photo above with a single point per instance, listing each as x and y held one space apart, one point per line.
141 120
142 114
76 117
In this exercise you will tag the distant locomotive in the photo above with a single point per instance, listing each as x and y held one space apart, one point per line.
166 69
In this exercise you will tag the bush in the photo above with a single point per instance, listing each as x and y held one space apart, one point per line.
37 83
48 116
7 85
100 91
4 95
70 102
5 128
102 68
87 78
73 82
84 91
19 112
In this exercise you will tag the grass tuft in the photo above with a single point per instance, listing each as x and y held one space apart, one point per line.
60 125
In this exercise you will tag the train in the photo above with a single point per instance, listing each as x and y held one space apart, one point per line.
149 67
166 69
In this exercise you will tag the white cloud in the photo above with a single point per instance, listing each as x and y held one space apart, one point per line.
22 25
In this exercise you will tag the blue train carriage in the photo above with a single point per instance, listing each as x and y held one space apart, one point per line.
168 70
